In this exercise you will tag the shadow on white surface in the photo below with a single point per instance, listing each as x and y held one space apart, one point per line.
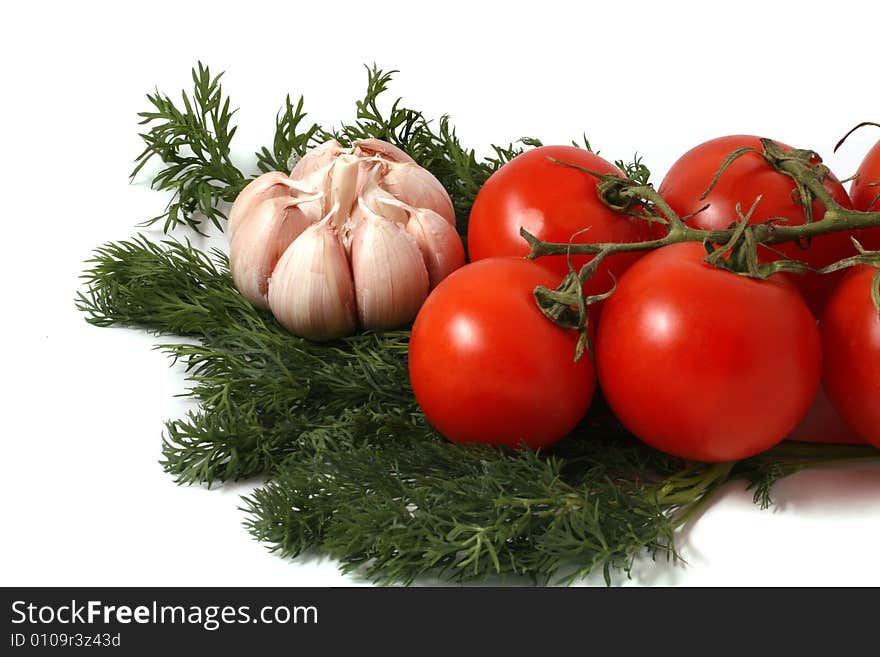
848 489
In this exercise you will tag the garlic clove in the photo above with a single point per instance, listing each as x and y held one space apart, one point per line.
384 204
259 242
316 159
377 147
417 187
319 182
311 292
344 186
439 243
274 184
390 278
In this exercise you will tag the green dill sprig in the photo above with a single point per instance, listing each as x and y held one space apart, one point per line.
400 509
413 506
290 139
257 386
636 170
763 471
194 145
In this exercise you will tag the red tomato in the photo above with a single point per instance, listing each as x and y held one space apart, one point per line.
864 194
487 366
850 328
705 364
823 424
742 182
553 202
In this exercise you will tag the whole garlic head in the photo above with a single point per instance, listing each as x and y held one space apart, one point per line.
352 238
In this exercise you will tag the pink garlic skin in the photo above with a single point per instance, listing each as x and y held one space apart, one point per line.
258 243
311 292
382 203
417 187
439 242
318 158
390 278
270 185
377 147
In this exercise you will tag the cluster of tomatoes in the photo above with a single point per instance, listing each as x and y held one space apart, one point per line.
694 360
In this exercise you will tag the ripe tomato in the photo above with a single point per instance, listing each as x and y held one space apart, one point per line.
823 424
850 328
553 202
742 182
865 190
864 193
487 366
702 363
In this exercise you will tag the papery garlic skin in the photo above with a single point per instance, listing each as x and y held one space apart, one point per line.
390 277
380 202
318 158
440 244
274 184
258 243
417 187
344 187
311 291
379 148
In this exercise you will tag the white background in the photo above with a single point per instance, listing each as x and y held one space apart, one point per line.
84 500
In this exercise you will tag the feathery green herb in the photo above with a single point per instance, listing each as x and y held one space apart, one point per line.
194 145
353 468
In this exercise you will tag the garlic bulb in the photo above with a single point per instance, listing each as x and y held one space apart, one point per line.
354 237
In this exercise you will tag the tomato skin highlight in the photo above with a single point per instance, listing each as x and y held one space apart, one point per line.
864 194
487 366
742 182
705 364
553 202
850 329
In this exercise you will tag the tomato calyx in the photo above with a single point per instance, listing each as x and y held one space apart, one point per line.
568 307
803 166
610 188
625 195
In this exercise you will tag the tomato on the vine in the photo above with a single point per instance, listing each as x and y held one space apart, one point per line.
850 328
747 178
705 364
487 366
556 203
823 424
865 194
865 190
